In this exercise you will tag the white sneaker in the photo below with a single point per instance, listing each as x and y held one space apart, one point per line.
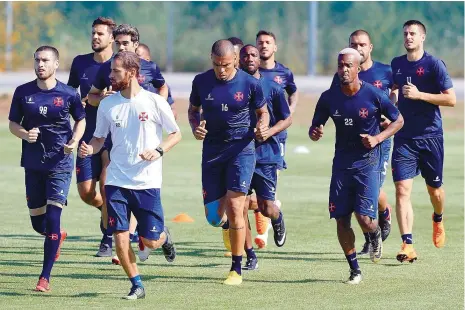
355 277
144 252
262 240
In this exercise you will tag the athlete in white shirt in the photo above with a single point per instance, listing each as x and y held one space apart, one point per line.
135 118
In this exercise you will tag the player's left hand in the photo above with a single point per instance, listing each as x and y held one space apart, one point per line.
150 155
70 146
410 91
369 141
262 131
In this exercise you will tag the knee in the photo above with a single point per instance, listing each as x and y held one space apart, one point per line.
267 208
343 223
38 224
154 244
402 190
436 193
212 213
87 195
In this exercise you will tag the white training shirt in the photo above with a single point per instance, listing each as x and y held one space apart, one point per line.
135 125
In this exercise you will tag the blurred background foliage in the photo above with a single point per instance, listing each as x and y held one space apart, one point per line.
67 25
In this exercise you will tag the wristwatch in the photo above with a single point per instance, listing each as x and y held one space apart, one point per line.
159 150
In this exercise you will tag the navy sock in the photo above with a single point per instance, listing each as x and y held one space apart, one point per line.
236 264
367 237
407 238
278 220
250 253
225 225
437 217
352 260
38 223
52 239
136 281
385 213
131 236
108 240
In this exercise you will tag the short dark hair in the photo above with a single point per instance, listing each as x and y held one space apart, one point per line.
144 46
235 41
415 22
127 30
222 48
48 48
130 60
267 33
247 45
107 21
359 32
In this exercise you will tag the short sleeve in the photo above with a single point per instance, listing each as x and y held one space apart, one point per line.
77 111
442 76
73 79
102 127
321 115
387 108
290 84
194 97
166 116
102 79
158 81
16 112
258 99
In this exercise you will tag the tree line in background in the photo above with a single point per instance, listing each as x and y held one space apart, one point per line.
67 25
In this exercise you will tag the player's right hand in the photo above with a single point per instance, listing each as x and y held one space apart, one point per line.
108 92
200 132
85 150
32 135
315 133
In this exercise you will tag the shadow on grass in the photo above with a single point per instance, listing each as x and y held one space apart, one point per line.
32 293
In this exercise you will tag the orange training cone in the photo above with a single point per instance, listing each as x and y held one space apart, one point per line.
182 218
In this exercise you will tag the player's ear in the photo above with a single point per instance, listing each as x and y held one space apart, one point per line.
371 47
359 69
136 44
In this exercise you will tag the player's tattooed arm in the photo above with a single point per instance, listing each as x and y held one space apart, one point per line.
193 113
293 99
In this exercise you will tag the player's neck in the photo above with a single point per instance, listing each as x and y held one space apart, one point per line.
103 55
47 84
133 89
415 55
352 88
267 64
367 64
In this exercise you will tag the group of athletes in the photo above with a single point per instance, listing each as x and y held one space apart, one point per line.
240 109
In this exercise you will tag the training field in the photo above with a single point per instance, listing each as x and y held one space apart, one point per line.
307 273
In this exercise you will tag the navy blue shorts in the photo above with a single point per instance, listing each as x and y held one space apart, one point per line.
231 169
145 204
264 181
410 157
46 185
282 145
88 168
385 155
354 192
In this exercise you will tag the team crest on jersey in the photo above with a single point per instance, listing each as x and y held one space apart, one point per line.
332 207
363 113
78 170
141 79
58 101
204 193
143 116
278 79
238 96
420 71
111 221
378 84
